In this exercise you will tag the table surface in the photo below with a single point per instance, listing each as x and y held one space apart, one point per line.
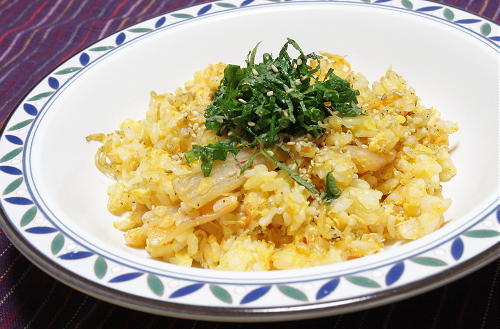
38 35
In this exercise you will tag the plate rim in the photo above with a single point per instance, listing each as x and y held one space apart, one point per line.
300 311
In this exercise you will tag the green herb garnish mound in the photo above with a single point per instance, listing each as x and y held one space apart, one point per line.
259 105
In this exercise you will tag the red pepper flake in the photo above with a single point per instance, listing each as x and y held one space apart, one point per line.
246 223
239 164
304 240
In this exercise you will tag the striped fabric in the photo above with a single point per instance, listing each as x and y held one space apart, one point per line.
35 37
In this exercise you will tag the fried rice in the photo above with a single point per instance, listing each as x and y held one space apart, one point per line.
389 164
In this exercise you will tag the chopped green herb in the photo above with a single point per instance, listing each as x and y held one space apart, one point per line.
332 191
211 152
258 105
292 173
249 162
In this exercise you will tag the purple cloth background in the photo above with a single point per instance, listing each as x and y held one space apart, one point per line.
38 35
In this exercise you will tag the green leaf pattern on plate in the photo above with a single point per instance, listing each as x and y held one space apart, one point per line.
362 281
221 294
28 216
57 243
40 96
13 186
225 5
140 30
68 70
155 284
482 234
102 48
292 292
428 261
20 125
485 29
181 15
407 4
100 267
11 155
448 14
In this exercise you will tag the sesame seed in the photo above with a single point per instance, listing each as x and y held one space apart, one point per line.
241 100
274 68
270 93
254 71
285 112
289 90
294 65
299 61
219 120
251 124
304 77
195 113
271 153
364 146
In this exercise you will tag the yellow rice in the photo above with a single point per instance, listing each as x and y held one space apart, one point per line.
388 163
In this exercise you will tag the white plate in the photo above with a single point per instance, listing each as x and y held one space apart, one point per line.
54 199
